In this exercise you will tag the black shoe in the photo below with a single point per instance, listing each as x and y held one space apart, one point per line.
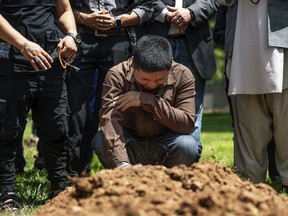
8 202
39 163
56 192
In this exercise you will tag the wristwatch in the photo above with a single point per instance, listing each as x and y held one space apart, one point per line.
75 36
117 22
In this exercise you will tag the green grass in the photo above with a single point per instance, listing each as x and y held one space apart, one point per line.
217 137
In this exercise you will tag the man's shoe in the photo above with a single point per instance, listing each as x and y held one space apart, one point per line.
54 193
8 202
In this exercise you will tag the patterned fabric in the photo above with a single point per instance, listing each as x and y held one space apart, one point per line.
278 26
278 30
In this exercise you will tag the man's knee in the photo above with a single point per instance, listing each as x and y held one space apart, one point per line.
100 149
188 143
187 150
97 143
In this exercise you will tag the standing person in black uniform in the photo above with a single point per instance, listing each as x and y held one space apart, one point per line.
31 78
107 32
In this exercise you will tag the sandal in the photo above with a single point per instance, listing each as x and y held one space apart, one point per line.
8 202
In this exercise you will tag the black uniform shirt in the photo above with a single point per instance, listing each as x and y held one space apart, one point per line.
36 21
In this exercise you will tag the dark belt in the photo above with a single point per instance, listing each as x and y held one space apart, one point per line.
177 36
110 32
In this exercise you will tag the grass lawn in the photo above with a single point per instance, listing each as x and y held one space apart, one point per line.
217 137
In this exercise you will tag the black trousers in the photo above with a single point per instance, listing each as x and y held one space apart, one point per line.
20 160
96 54
45 94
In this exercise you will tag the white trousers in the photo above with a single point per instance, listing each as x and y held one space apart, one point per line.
257 118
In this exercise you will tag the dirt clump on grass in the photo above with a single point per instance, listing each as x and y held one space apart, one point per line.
202 189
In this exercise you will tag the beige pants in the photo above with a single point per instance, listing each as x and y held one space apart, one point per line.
257 118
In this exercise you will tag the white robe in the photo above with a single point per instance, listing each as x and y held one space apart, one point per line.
255 68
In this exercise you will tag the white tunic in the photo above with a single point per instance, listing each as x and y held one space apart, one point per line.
255 68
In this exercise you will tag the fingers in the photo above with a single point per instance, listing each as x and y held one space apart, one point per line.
67 53
47 57
170 8
34 65
173 14
122 102
101 21
179 16
105 22
181 23
41 62
127 100
67 48
122 107
38 58
119 99
70 59
177 20
104 26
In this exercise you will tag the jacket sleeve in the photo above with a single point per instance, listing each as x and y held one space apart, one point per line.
203 10
178 116
220 26
158 7
225 2
144 10
111 117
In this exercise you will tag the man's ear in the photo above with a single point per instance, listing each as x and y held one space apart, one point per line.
132 63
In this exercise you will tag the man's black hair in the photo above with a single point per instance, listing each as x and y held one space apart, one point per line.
152 53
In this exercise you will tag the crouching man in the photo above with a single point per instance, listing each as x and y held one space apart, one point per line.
148 110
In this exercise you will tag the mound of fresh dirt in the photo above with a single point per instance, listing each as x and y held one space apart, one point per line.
202 189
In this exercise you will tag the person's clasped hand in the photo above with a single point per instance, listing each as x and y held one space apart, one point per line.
181 17
100 20
127 100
